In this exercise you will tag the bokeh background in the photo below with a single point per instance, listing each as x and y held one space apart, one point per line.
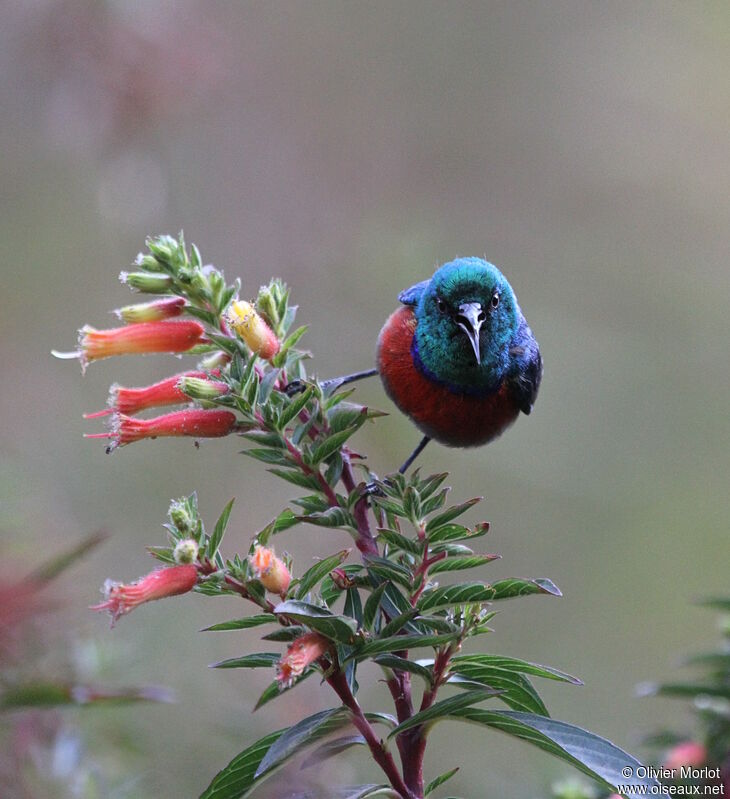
350 149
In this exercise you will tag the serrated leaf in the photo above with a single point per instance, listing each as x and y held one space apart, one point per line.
450 513
258 660
237 778
301 734
515 664
591 754
390 661
333 748
220 527
443 709
398 643
241 624
440 780
337 628
460 563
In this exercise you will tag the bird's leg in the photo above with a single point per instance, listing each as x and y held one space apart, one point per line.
329 385
416 452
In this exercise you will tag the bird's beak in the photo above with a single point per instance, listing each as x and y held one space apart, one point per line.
470 319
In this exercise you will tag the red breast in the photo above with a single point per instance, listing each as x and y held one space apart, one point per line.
447 416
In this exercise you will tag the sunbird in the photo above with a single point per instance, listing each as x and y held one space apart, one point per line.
458 356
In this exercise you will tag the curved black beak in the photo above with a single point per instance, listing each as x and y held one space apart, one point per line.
470 319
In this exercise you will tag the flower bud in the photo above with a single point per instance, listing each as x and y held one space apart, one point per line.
215 361
254 331
201 389
121 599
186 551
300 654
146 283
154 311
195 422
163 248
148 262
181 517
270 571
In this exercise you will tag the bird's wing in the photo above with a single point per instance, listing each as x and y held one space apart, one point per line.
412 295
526 381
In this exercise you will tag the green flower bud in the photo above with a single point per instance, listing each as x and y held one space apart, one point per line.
201 389
186 551
266 304
180 516
148 262
146 283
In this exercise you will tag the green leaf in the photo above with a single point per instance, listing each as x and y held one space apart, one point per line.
275 689
295 407
461 563
372 605
397 624
258 660
308 481
430 484
241 624
444 708
717 602
484 592
277 457
389 570
50 694
313 575
301 734
331 444
52 568
337 628
390 661
332 517
450 513
333 748
285 634
680 689
220 527
399 541
329 591
514 664
347 414
237 778
398 643
594 756
440 780
516 691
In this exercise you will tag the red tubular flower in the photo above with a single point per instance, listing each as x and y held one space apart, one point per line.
689 754
270 571
301 653
132 400
120 599
194 422
154 311
136 339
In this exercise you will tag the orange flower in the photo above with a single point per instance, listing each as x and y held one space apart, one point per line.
194 422
120 599
251 327
136 339
300 654
132 400
689 754
154 311
270 570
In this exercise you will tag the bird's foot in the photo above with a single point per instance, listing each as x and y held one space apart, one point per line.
294 387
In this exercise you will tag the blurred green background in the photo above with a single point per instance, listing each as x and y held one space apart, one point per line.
350 149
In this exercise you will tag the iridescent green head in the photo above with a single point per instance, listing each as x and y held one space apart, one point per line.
467 318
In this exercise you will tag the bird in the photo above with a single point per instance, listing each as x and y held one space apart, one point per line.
457 357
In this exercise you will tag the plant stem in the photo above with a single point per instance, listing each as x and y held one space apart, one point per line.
381 755
365 541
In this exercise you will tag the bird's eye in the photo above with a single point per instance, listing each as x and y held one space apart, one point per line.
495 300
441 305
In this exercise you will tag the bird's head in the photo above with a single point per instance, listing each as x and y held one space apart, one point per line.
467 316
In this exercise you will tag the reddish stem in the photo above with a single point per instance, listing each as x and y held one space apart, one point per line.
365 541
